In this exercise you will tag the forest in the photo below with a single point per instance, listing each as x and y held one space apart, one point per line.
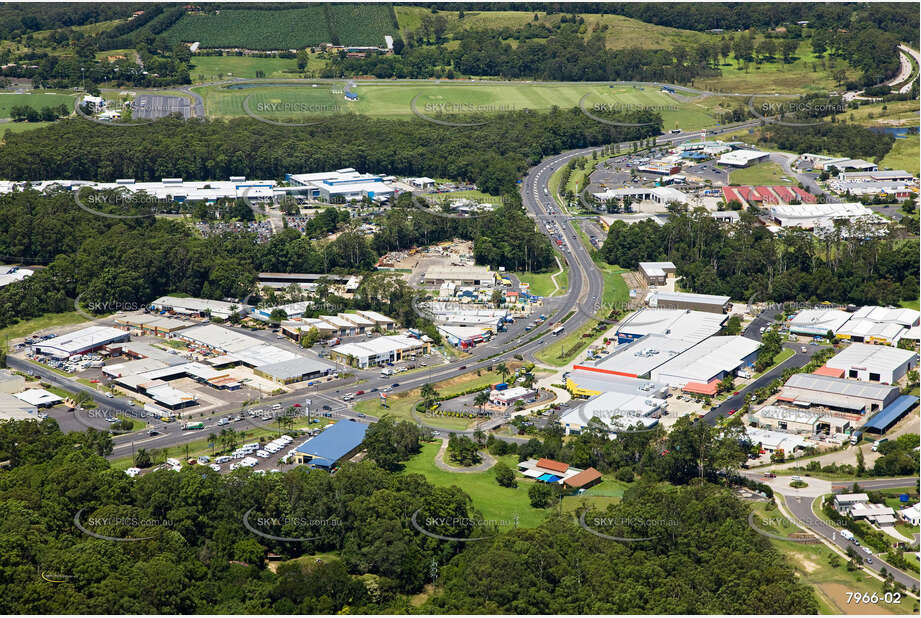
105 260
364 555
493 155
745 260
828 138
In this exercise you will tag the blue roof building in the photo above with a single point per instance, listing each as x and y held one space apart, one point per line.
888 416
336 442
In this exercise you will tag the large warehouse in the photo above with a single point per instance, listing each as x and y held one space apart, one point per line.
616 410
873 363
886 325
683 324
81 341
638 358
817 322
334 443
700 368
388 349
590 383
199 306
837 394
682 300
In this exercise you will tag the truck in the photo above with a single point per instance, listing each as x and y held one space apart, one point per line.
557 330
856 436
189 426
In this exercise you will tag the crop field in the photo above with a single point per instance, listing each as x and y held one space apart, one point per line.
35 101
254 29
359 25
400 99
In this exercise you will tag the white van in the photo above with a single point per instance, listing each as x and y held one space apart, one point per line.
277 406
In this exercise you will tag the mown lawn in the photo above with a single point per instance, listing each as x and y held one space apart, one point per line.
761 174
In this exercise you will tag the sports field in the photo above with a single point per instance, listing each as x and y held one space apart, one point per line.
447 100
35 101
213 68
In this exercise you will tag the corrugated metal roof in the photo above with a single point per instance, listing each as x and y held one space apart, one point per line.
882 420
334 443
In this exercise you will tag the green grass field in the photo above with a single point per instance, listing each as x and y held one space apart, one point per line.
27 327
221 67
503 503
761 174
904 155
911 304
304 101
35 101
542 284
22 127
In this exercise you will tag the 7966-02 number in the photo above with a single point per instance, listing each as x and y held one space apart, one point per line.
874 598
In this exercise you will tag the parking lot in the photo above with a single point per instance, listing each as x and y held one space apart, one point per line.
153 106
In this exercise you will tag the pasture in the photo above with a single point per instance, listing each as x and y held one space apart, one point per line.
35 101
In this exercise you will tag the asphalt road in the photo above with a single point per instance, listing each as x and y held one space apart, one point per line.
802 510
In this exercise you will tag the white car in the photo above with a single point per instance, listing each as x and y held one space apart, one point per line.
215 467
866 550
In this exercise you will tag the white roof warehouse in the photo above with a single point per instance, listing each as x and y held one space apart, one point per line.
78 342
381 350
873 363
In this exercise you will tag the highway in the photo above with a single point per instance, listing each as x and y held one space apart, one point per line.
585 290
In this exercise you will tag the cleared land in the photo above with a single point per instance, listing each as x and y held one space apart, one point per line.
222 67
904 155
760 174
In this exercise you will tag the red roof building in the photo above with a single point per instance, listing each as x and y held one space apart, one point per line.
549 464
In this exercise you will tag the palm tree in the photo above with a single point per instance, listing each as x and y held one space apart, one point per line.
481 399
503 370
528 380
429 394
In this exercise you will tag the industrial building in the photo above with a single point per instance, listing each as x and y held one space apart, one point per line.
510 396
877 176
387 349
14 409
345 184
700 368
658 195
12 274
891 414
202 307
638 358
683 324
156 325
886 325
798 421
178 190
873 363
821 216
618 411
461 275
742 158
586 384
836 394
818 322
656 273
772 441
710 303
335 443
298 369
11 382
38 397
81 341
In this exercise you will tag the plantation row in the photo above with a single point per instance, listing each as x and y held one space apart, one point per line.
313 24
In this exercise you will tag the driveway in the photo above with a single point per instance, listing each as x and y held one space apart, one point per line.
488 461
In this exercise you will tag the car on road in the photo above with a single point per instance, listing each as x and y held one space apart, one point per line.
770 475
373 390
731 412
866 550
869 560
462 367
360 415
803 349
325 408
395 385
110 395
359 393
152 432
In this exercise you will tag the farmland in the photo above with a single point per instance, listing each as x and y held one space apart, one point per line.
398 99
363 25
212 68
254 29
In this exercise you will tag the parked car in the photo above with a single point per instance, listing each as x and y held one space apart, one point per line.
325 408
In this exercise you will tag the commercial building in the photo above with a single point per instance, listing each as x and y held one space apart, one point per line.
335 443
843 503
683 324
157 325
659 167
586 384
81 341
179 190
547 470
891 414
877 176
797 421
342 185
704 365
658 195
199 307
821 216
710 303
656 273
879 514
296 369
886 325
873 363
618 411
461 275
742 158
387 349
773 441
818 322
837 394
899 190
38 397
508 397
638 358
